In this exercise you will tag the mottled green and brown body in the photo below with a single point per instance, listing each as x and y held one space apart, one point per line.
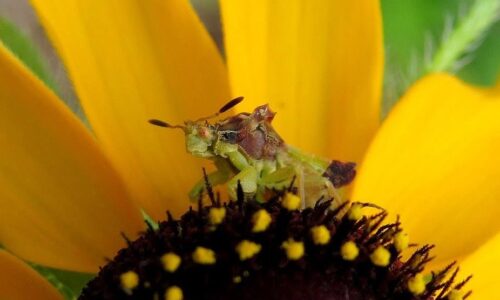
245 148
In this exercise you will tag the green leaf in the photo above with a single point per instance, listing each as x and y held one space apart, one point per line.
19 44
69 284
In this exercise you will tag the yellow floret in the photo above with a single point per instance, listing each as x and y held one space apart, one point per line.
356 212
294 250
171 262
216 215
416 285
401 241
291 201
320 235
455 295
247 249
204 256
174 293
129 281
381 257
261 220
349 251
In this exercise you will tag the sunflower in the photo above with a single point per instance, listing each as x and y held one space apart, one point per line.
67 192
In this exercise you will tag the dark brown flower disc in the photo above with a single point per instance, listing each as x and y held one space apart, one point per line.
249 250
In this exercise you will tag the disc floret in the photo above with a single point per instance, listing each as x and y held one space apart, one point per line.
266 251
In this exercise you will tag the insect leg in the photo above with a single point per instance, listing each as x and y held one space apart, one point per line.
279 179
314 162
233 153
247 178
302 189
238 160
333 193
215 178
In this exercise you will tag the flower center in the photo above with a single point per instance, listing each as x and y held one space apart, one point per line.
273 250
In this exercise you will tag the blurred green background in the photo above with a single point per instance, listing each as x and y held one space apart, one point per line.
412 31
408 22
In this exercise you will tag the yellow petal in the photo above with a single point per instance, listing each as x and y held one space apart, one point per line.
318 63
484 266
435 162
20 282
61 202
131 61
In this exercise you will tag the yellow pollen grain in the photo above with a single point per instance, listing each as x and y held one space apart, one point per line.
355 212
381 257
416 285
291 201
294 250
349 251
129 281
247 249
320 235
171 262
174 293
261 220
237 279
204 256
455 295
216 215
401 241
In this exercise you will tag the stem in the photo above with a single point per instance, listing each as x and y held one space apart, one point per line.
469 31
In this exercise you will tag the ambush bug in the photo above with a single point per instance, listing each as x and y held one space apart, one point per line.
246 149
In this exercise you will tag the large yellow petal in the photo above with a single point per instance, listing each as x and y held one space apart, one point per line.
483 264
61 202
131 61
318 63
20 282
435 162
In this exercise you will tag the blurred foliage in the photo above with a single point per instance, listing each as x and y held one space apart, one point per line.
17 42
412 31
485 69
410 25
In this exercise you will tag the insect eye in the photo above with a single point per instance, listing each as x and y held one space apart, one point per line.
203 132
229 136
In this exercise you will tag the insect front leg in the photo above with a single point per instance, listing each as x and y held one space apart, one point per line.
279 179
217 177
238 160
233 153
248 178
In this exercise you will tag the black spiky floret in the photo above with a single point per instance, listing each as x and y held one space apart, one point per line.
320 274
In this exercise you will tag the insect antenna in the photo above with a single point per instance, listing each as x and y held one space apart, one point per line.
223 109
161 123
231 104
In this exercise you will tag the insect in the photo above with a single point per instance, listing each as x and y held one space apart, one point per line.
247 150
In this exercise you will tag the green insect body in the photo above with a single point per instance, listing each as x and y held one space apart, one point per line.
247 150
